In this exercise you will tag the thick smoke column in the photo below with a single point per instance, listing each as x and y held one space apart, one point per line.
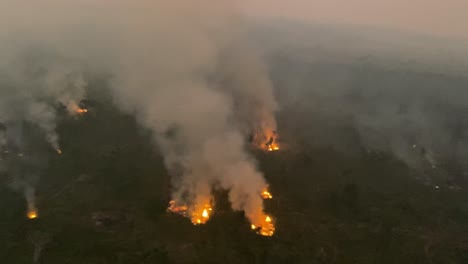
176 92
184 69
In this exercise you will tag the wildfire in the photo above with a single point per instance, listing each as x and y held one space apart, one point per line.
75 108
273 147
32 214
59 151
205 215
81 110
272 144
265 228
266 194
199 214
177 209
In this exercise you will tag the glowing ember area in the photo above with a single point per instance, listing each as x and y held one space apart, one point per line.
32 214
75 108
273 147
81 110
59 151
265 228
199 214
272 144
266 194
177 209
202 218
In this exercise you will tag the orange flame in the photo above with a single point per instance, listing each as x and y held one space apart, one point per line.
268 140
75 108
265 227
81 110
177 209
273 147
266 194
32 214
198 215
264 224
202 218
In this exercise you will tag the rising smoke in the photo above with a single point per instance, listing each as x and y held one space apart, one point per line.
369 91
185 69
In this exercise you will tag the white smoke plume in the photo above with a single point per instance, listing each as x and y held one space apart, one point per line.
31 87
185 69
30 196
173 89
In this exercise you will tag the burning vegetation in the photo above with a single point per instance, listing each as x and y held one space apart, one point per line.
265 227
74 108
198 214
32 214
266 194
81 110
272 144
266 140
201 214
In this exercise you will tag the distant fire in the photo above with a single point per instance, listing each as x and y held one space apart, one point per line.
198 214
32 214
81 110
272 144
75 108
273 147
266 194
59 151
178 209
265 227
201 213
202 218
267 140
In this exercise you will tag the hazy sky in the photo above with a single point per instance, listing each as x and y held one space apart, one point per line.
448 18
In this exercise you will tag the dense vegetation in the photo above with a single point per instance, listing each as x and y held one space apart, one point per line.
104 200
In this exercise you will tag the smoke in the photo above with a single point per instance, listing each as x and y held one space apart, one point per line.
381 92
29 194
32 86
244 76
201 91
186 70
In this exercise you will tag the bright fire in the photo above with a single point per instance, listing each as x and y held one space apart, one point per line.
81 110
203 218
75 108
273 147
32 214
271 143
198 215
266 139
265 228
266 194
59 151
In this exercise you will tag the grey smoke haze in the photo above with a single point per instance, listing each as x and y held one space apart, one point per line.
432 17
189 72
32 84
167 63
402 94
